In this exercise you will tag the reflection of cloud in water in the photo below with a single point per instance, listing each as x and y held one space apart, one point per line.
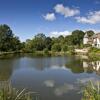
58 67
59 91
86 80
49 83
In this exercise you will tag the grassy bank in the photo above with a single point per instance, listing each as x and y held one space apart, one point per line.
91 91
7 92
35 53
94 53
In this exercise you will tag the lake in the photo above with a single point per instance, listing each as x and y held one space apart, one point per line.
54 78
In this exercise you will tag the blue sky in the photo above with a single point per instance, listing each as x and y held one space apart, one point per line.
51 17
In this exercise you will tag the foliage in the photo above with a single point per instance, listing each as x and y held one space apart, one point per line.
64 48
90 33
9 93
69 40
46 51
94 53
48 43
8 42
96 50
56 47
91 91
77 37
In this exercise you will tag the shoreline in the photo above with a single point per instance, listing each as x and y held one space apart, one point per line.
51 53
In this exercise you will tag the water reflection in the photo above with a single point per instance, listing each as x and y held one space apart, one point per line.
5 70
93 66
75 65
81 66
55 78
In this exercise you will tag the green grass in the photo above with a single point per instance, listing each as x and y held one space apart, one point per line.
9 93
91 91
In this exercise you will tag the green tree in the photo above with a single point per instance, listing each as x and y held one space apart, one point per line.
8 42
65 48
90 33
39 41
56 47
48 43
77 37
69 40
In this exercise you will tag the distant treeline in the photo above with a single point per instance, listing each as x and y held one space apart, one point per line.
9 42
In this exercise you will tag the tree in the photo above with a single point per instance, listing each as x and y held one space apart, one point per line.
64 48
28 45
90 33
69 40
16 44
39 41
48 43
8 42
77 37
56 47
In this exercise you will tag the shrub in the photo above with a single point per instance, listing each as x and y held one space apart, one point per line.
91 91
7 92
56 47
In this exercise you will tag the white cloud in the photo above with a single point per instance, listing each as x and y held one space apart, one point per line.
56 33
95 30
92 18
97 2
49 16
66 11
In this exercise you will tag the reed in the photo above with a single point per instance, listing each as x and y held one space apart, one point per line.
92 91
9 93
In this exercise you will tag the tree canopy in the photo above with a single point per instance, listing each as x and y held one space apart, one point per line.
40 42
8 42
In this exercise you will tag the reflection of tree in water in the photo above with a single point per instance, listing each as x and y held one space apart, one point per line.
5 70
80 66
94 66
75 65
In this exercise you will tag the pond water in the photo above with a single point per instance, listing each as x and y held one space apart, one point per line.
54 78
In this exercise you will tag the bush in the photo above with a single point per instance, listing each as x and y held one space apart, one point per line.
46 51
91 91
9 93
56 47
95 50
64 48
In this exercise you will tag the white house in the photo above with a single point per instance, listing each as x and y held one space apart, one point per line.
96 40
85 39
93 40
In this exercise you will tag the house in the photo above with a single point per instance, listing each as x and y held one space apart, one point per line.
96 40
93 40
92 66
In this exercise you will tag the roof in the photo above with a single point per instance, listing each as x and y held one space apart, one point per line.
86 36
96 35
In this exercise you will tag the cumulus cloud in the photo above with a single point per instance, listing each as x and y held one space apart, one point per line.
49 16
97 2
92 18
56 33
66 11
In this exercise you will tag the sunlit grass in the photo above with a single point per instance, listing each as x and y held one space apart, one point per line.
9 93
92 91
